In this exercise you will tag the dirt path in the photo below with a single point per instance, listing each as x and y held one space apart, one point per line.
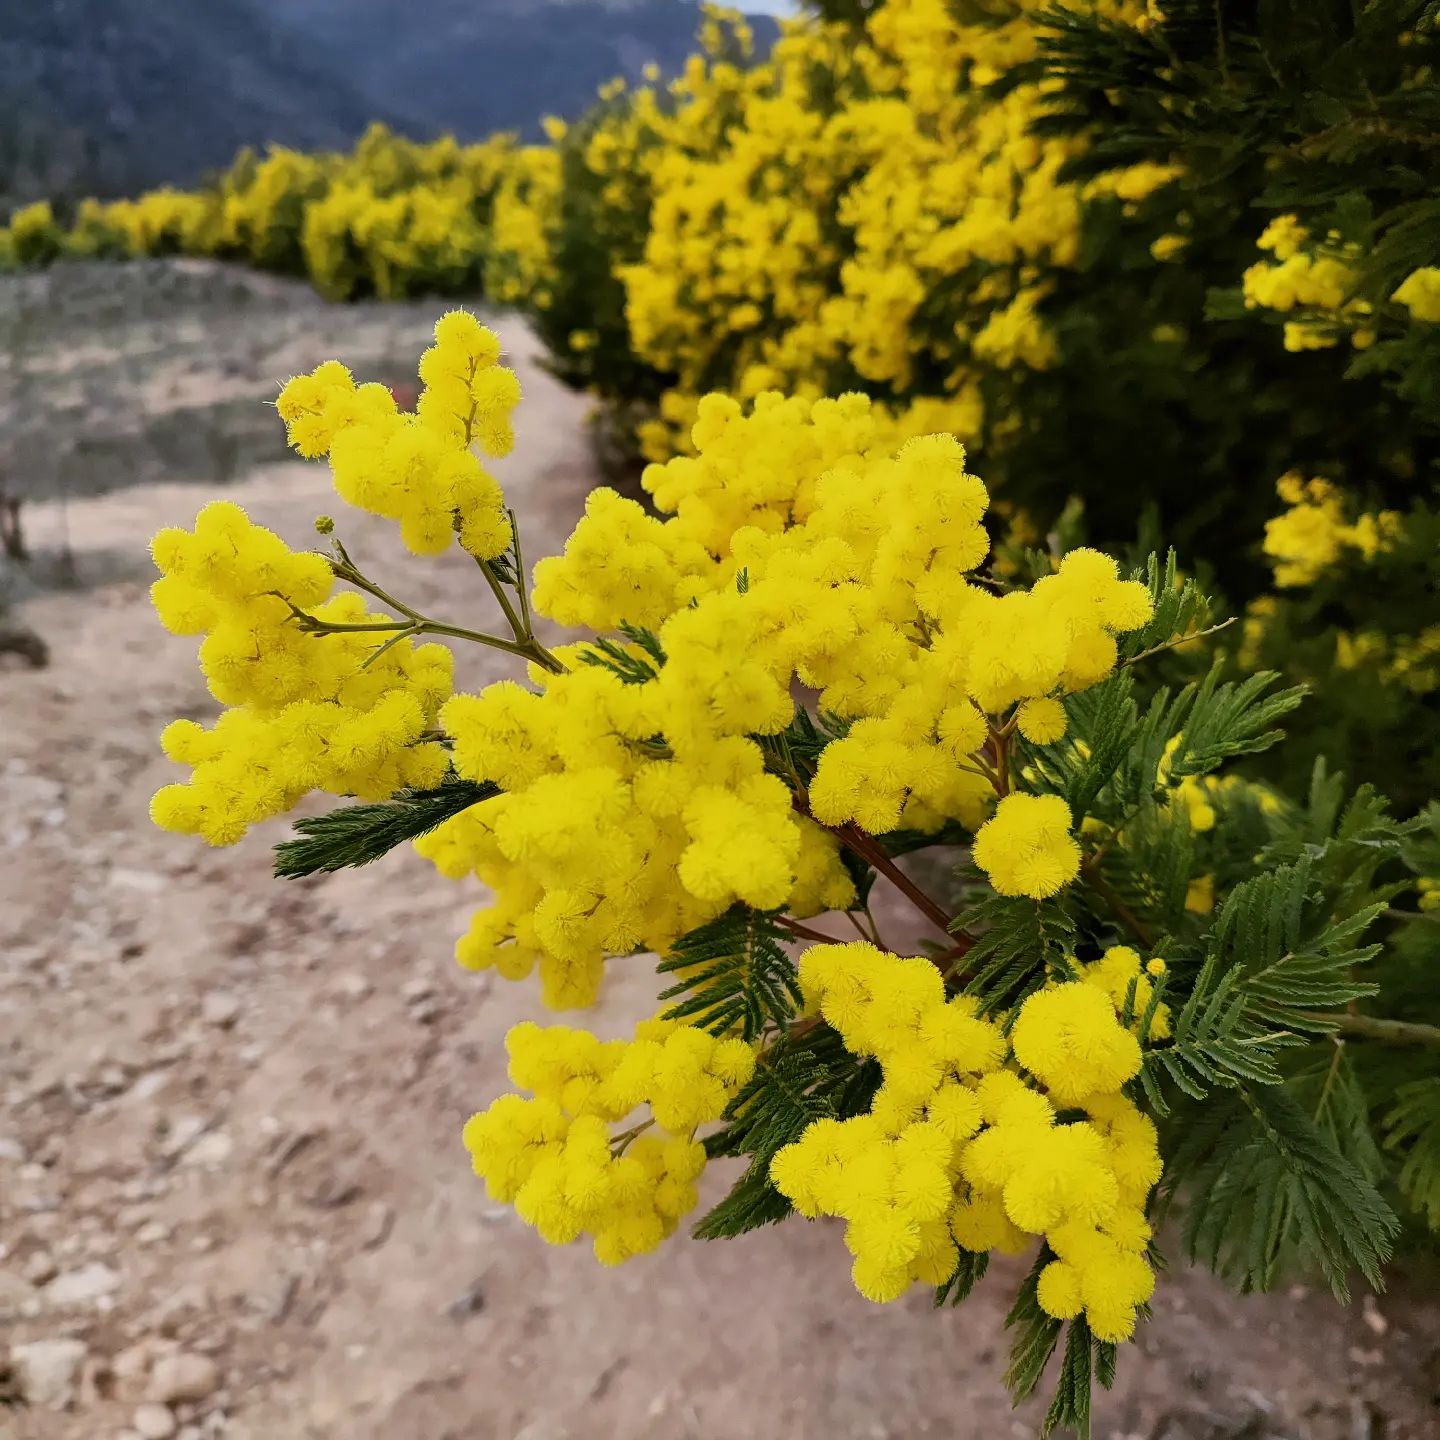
230 1110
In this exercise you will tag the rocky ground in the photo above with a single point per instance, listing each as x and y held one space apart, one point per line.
233 1202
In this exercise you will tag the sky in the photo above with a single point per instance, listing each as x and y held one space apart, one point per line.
769 7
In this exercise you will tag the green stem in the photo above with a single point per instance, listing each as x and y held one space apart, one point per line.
1177 643
498 590
1385 1032
620 1143
345 570
525 645
421 625
522 585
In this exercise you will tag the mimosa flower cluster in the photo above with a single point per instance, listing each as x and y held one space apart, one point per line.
333 716
1316 277
417 469
1419 293
885 204
638 784
1308 538
555 1156
302 716
793 551
1354 577
1312 277
818 231
390 218
962 1145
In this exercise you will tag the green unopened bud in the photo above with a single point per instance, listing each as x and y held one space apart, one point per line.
323 524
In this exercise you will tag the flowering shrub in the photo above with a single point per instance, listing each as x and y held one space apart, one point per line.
1312 329
796 671
392 218
1041 233
856 212
32 237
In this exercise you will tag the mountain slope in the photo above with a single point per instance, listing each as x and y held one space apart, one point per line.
110 96
475 66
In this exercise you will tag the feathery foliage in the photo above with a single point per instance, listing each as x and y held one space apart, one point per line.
808 1078
635 662
732 974
1269 1186
359 834
1412 1129
1020 944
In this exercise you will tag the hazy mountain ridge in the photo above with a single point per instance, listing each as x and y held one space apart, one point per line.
110 96
107 95
498 64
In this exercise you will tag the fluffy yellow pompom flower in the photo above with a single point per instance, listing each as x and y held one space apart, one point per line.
1118 973
959 1149
1071 1039
633 787
555 1157
1041 721
417 468
1420 294
305 714
1026 848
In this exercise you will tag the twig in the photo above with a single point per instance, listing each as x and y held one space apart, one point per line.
1383 1031
524 645
498 590
866 847
621 1143
522 588
805 932
1331 1071
869 936
405 629
1176 643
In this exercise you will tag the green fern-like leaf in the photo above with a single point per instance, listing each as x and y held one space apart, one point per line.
1347 836
970 1269
733 974
635 661
1223 721
359 834
1036 1333
1213 1042
1276 971
1116 760
1152 869
1180 607
811 1079
1412 1130
1071 1404
1100 733
1021 944
1268 1188
1294 962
